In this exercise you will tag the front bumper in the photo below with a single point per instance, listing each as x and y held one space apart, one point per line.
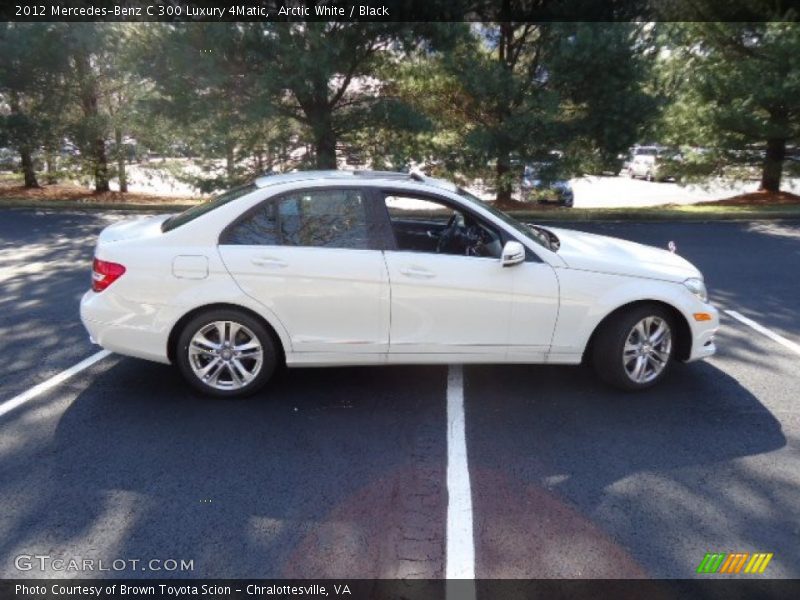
703 334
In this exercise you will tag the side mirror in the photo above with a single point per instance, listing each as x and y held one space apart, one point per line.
513 254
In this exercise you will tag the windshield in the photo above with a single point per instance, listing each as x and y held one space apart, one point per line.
200 209
535 235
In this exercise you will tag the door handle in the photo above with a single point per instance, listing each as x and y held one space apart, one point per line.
268 261
417 272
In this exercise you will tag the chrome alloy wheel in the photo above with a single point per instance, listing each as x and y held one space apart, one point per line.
647 349
225 355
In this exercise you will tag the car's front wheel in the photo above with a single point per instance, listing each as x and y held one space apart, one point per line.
634 349
226 353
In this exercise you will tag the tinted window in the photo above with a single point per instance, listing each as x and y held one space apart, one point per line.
259 228
192 213
317 218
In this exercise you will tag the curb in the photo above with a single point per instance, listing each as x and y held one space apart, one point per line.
93 206
573 215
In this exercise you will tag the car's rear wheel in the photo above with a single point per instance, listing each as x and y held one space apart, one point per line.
634 349
226 353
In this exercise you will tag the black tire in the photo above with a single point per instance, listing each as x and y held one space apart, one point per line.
269 354
609 344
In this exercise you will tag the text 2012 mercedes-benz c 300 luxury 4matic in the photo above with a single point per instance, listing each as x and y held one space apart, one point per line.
373 268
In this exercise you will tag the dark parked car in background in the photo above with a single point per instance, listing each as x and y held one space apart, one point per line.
542 182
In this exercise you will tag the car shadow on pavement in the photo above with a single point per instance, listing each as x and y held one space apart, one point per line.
328 472
45 266
747 265
574 479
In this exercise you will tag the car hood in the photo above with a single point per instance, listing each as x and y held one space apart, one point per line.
590 252
133 228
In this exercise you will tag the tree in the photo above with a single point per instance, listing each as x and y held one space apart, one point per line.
126 95
90 49
605 76
737 90
238 78
323 75
31 75
205 84
515 91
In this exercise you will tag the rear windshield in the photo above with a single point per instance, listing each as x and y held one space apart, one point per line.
192 213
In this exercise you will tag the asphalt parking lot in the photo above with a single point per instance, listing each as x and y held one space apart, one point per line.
343 472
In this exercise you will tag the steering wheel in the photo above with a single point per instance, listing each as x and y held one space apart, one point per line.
475 239
448 233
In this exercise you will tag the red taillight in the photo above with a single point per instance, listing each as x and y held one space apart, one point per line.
104 274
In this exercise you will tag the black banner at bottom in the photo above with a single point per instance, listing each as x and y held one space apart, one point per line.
398 589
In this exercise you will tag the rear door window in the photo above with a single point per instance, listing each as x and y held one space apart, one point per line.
325 218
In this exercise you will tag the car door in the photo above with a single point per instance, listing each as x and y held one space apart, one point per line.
455 304
311 258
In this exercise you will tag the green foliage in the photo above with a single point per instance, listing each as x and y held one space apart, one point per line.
472 101
32 72
504 94
736 90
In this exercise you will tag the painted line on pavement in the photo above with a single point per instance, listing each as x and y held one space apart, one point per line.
460 557
49 384
763 330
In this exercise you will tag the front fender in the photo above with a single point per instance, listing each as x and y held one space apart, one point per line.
588 297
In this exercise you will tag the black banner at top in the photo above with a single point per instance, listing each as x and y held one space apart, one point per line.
399 10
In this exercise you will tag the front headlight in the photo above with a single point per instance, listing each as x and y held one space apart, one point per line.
697 287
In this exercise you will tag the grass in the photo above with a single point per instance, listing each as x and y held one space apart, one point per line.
6 177
705 212
90 204
694 212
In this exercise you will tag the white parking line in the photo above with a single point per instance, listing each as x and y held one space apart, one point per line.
763 330
49 384
460 557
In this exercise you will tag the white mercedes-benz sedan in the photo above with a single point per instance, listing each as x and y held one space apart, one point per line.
371 268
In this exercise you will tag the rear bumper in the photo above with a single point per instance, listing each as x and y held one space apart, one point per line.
132 330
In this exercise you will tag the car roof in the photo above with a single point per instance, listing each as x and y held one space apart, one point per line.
361 177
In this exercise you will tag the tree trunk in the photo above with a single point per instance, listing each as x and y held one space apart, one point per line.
28 171
325 146
773 165
503 167
100 166
26 160
50 166
502 179
230 164
121 174
91 111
